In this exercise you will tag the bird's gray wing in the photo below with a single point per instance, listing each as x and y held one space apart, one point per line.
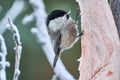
57 48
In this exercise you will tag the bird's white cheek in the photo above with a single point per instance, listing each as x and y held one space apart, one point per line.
55 25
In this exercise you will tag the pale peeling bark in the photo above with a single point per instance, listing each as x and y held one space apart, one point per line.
100 58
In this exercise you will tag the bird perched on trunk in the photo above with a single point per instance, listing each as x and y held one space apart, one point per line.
63 31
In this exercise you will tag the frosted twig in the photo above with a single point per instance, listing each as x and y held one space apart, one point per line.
13 12
18 48
3 62
42 36
28 18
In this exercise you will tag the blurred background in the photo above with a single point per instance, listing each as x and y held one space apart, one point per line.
34 64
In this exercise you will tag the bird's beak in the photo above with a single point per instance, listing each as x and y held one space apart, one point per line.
68 12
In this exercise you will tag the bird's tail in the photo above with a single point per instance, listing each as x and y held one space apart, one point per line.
55 61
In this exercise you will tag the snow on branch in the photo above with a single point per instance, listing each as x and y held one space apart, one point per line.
28 18
3 62
18 47
14 11
43 38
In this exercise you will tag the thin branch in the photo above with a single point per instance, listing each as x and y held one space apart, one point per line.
3 62
13 12
42 36
28 18
18 48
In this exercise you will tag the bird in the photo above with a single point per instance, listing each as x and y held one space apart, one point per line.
63 31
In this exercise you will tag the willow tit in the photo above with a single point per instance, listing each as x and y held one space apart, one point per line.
63 31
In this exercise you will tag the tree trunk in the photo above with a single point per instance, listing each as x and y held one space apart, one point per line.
115 7
100 59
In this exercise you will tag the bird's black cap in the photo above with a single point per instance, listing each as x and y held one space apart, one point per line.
55 14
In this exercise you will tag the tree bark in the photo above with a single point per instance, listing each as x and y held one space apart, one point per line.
100 58
115 7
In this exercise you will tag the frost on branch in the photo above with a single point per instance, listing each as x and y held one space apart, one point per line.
43 38
3 62
14 11
18 47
